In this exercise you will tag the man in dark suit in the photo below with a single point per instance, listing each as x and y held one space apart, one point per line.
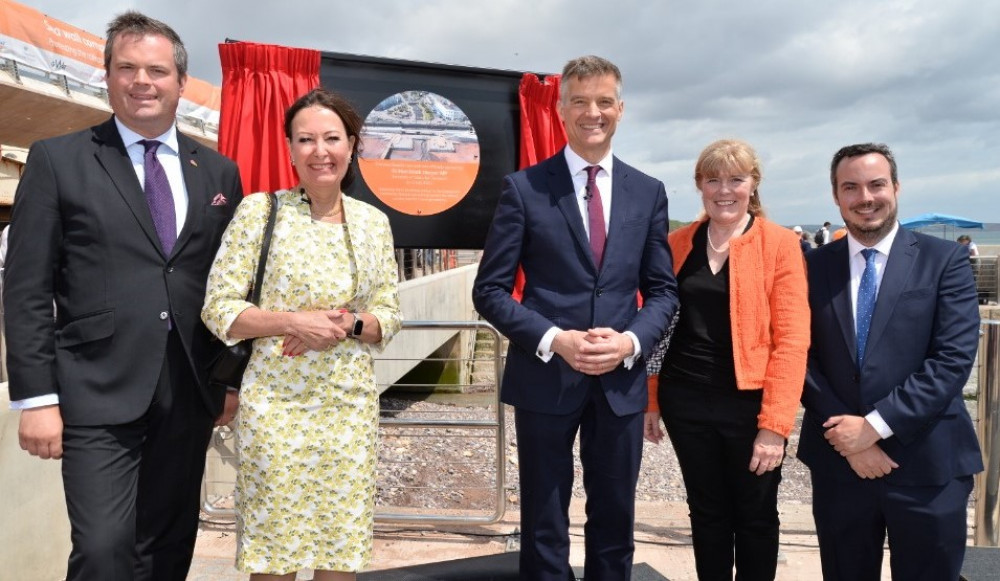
120 231
589 232
886 435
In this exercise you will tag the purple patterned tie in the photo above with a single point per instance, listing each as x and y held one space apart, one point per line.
159 197
595 215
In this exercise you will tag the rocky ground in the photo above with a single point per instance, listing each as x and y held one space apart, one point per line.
454 468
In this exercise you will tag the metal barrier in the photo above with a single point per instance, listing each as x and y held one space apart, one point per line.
987 483
987 274
458 476
417 262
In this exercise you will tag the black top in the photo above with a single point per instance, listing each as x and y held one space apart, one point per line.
701 349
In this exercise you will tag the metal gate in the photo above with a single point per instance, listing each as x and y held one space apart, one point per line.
442 456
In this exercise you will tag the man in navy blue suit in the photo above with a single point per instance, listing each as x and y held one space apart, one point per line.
886 434
589 232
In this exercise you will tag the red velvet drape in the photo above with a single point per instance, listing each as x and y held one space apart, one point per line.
542 131
259 82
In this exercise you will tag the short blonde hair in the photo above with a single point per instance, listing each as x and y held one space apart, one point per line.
731 156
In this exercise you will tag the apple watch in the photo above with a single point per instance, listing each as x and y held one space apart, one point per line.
359 325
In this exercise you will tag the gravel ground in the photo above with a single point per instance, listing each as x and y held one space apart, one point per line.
453 468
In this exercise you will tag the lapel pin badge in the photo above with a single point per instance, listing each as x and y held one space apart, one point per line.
193 162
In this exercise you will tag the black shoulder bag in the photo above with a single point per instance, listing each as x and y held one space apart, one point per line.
228 367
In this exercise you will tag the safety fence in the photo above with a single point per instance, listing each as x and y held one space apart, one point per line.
417 262
987 273
987 484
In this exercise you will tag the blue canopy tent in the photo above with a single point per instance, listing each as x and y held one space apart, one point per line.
923 221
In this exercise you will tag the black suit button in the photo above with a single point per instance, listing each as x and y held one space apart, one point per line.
600 292
857 378
170 269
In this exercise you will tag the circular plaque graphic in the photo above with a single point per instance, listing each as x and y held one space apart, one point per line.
421 153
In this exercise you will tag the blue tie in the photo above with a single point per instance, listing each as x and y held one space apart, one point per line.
866 302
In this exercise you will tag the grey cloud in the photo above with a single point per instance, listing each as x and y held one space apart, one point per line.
796 79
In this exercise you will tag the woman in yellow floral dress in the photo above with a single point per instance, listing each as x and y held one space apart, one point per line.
308 413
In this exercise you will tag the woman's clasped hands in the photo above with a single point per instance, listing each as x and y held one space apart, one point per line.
315 331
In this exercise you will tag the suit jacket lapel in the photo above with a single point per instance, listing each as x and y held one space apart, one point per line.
839 273
198 196
564 196
621 202
902 258
114 159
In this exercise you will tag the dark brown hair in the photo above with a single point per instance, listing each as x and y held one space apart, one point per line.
133 22
860 149
321 97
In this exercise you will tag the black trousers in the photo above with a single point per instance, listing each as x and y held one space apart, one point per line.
133 490
734 512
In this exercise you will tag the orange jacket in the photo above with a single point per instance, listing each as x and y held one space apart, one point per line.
769 310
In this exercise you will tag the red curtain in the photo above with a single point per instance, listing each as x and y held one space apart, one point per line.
542 131
259 82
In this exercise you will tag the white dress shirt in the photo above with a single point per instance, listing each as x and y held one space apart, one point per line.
578 171
857 263
169 157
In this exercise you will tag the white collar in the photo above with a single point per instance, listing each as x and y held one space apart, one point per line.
130 137
854 247
577 164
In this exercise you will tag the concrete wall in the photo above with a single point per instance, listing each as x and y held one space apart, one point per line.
34 529
443 296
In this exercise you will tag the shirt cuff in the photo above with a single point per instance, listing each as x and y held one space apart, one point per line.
35 402
876 421
629 361
544 351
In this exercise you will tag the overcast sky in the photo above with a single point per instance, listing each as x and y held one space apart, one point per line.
797 80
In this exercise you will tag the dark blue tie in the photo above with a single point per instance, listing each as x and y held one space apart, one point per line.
159 197
866 302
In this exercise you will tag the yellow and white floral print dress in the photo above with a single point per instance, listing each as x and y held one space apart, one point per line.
307 425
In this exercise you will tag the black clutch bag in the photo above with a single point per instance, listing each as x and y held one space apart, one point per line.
228 367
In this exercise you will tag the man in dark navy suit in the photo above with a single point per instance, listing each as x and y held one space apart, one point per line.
886 435
589 231
118 226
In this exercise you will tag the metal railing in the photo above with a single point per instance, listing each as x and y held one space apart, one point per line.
987 483
417 262
464 434
987 274
459 475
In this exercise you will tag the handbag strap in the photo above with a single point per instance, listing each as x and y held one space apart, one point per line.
265 247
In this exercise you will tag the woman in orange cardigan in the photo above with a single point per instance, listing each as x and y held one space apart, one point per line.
729 384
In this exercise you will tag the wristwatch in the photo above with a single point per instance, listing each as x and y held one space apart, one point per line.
359 326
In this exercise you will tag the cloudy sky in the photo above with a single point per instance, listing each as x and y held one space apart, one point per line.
796 79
